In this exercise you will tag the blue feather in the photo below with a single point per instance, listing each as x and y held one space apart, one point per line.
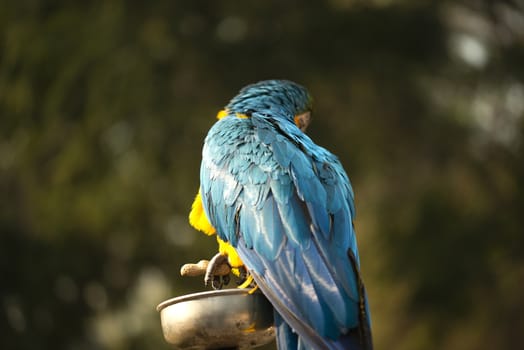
287 205
295 222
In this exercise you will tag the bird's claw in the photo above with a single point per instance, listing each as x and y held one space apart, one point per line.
219 281
210 278
243 276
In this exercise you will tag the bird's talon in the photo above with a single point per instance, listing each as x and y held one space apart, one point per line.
226 279
242 274
216 281
247 282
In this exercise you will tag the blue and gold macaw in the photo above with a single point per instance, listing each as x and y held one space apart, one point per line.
282 207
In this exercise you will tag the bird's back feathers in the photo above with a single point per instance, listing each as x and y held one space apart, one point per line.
286 204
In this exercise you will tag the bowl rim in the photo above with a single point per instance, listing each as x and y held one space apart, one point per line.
203 295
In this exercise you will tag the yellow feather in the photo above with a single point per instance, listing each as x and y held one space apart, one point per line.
241 116
221 114
198 218
224 112
232 255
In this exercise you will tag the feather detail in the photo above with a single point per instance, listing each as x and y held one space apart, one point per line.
285 205
198 218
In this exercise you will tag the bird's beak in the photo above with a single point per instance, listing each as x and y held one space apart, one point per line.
303 120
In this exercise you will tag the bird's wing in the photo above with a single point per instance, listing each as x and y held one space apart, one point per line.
287 206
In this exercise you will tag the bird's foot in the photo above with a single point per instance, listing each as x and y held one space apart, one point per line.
247 282
216 280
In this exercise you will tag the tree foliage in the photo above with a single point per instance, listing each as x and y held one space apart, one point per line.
104 106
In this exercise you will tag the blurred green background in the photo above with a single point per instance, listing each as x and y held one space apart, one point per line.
104 106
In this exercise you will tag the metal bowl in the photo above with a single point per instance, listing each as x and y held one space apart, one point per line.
229 318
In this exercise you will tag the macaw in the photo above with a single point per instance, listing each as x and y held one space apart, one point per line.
282 207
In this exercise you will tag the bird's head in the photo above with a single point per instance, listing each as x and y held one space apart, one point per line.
278 98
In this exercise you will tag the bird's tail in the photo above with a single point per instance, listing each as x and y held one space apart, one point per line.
364 328
287 339
358 338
